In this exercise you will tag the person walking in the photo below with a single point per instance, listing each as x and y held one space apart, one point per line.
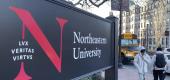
142 61
159 61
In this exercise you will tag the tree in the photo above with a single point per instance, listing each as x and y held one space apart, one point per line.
158 20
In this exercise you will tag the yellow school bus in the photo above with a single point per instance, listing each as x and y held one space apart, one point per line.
129 47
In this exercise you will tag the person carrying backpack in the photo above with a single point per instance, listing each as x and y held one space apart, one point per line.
159 64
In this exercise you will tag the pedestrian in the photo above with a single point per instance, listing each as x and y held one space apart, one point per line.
159 62
142 61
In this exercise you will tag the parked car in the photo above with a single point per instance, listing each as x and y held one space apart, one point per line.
166 50
168 63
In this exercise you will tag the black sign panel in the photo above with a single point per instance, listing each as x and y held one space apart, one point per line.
115 5
40 40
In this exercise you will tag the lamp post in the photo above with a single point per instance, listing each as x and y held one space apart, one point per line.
147 34
120 65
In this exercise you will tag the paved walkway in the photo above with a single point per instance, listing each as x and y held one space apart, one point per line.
130 73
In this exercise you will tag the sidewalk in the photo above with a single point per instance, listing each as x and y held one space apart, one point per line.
130 74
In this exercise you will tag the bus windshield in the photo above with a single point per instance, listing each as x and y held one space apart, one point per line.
126 42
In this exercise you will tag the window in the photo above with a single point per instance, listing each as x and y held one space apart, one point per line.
168 57
150 32
154 48
124 20
144 32
153 40
153 33
152 6
142 9
168 50
141 26
132 19
132 26
146 8
149 8
162 41
168 9
168 1
150 47
167 41
127 13
150 40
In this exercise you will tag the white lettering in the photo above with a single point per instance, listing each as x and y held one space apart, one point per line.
14 58
76 37
89 39
82 54
13 51
74 54
22 57
23 43
22 50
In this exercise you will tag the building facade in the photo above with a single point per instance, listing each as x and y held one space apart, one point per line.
149 21
158 23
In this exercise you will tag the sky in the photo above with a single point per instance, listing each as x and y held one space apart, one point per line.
103 10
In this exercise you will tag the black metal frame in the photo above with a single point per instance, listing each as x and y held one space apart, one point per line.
112 73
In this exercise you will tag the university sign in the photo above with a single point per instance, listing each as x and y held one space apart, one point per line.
41 40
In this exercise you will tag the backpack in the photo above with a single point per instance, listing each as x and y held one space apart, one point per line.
160 61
